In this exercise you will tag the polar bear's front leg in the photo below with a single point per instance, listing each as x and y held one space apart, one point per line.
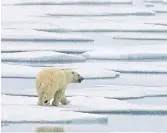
64 100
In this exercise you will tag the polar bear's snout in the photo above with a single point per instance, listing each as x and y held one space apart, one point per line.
80 79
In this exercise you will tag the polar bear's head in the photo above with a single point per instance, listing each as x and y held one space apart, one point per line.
76 77
73 77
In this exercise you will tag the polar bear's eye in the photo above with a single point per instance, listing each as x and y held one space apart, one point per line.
72 72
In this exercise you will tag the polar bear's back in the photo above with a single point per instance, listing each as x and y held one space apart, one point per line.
50 78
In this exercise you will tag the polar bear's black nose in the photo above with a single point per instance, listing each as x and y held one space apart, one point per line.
80 79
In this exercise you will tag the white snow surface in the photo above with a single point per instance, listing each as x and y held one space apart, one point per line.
164 1
49 115
66 2
27 34
140 37
30 46
108 26
31 72
78 103
118 91
104 91
124 66
41 56
131 53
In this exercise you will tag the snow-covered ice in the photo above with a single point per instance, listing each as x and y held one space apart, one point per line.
31 72
140 37
64 2
165 1
34 114
31 35
78 103
105 91
118 91
107 27
130 53
153 1
41 56
44 46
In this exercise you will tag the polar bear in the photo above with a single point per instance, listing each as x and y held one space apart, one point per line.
52 83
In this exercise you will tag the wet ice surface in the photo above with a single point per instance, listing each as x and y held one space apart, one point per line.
115 45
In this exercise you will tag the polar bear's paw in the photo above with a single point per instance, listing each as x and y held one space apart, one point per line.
55 103
65 102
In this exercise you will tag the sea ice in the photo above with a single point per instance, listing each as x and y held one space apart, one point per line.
40 56
31 72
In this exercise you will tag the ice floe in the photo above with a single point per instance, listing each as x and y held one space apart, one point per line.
107 27
119 92
105 91
130 53
64 2
153 1
35 36
140 37
31 72
25 114
165 1
40 56
100 11
44 46
78 103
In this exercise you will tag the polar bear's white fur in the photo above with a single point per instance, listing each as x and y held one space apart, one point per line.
52 83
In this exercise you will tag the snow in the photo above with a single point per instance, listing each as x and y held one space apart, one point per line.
25 114
65 2
31 35
123 67
160 10
30 46
31 72
153 1
40 56
105 91
130 53
78 103
165 1
118 91
107 27
140 37
100 11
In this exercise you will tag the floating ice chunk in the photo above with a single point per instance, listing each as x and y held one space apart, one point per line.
100 11
78 103
164 1
107 27
104 91
153 1
36 36
96 73
132 53
40 56
65 2
30 46
141 37
123 66
31 72
119 92
47 115
160 10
